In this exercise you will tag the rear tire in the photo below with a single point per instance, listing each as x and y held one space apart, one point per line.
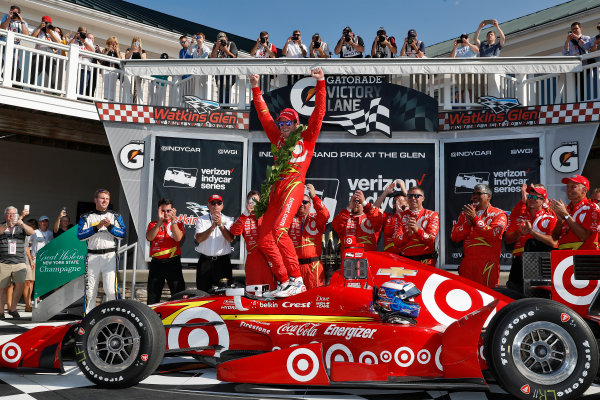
540 348
120 343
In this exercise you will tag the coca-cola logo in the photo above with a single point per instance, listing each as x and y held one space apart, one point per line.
308 329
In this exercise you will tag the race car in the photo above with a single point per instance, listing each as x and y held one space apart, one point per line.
384 321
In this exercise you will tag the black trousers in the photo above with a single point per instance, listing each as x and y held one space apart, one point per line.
162 269
212 269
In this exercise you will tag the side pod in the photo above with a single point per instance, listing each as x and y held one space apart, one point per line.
460 344
299 365
39 347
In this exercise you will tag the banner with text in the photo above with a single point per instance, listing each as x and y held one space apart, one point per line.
188 171
59 262
358 104
503 165
339 169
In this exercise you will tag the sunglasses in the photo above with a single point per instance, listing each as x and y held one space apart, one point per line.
534 197
305 202
286 123
183 42
414 195
216 203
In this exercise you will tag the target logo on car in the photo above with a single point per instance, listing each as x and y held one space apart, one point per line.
447 300
573 291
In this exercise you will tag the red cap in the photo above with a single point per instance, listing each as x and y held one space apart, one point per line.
215 197
288 114
577 179
538 190
46 18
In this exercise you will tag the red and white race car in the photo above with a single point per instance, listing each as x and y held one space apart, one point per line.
343 334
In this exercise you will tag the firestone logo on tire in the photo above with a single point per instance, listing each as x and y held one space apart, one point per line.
144 357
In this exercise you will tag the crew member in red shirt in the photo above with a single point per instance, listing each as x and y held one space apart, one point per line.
480 227
530 228
577 227
360 220
286 194
306 231
415 237
165 235
257 269
397 192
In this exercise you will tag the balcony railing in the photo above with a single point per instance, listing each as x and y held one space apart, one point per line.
68 72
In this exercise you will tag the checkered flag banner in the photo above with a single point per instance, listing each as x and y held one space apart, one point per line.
359 123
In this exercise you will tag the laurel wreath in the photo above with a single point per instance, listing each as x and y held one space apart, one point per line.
282 157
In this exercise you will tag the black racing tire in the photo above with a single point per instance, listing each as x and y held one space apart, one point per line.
120 343
541 348
491 328
189 294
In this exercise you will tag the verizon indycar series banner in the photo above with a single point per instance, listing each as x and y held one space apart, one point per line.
188 171
503 113
357 104
504 165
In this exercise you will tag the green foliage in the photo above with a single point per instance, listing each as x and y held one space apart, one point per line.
282 158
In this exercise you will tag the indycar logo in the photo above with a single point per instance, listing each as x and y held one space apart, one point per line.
308 329
396 272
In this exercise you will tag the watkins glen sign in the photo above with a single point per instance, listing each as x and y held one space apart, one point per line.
505 113
358 104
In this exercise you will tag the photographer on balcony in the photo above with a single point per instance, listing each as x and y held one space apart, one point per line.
383 46
463 48
44 32
14 22
492 46
412 46
349 45
318 48
81 40
576 44
224 48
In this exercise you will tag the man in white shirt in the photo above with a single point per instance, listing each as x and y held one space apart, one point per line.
41 237
214 245
293 47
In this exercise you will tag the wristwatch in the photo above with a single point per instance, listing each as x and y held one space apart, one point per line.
567 217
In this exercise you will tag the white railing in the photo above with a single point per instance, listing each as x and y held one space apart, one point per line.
68 72
122 257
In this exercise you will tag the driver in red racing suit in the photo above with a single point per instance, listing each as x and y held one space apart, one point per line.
256 267
480 227
286 195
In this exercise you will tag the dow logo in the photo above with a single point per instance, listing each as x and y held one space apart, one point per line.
132 155
565 158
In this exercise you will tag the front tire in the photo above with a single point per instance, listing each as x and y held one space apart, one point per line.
541 348
120 343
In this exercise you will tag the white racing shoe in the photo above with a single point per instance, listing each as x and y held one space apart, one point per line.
279 288
295 287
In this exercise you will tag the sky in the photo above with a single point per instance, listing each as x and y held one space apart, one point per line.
434 20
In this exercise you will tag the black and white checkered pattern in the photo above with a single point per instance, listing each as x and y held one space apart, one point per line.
360 123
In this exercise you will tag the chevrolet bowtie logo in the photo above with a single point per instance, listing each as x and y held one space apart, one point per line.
396 272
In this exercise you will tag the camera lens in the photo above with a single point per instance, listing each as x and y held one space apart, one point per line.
263 40
347 38
381 38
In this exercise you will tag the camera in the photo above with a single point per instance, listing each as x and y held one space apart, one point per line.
295 37
263 40
381 38
14 15
410 40
316 45
82 35
223 42
347 38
